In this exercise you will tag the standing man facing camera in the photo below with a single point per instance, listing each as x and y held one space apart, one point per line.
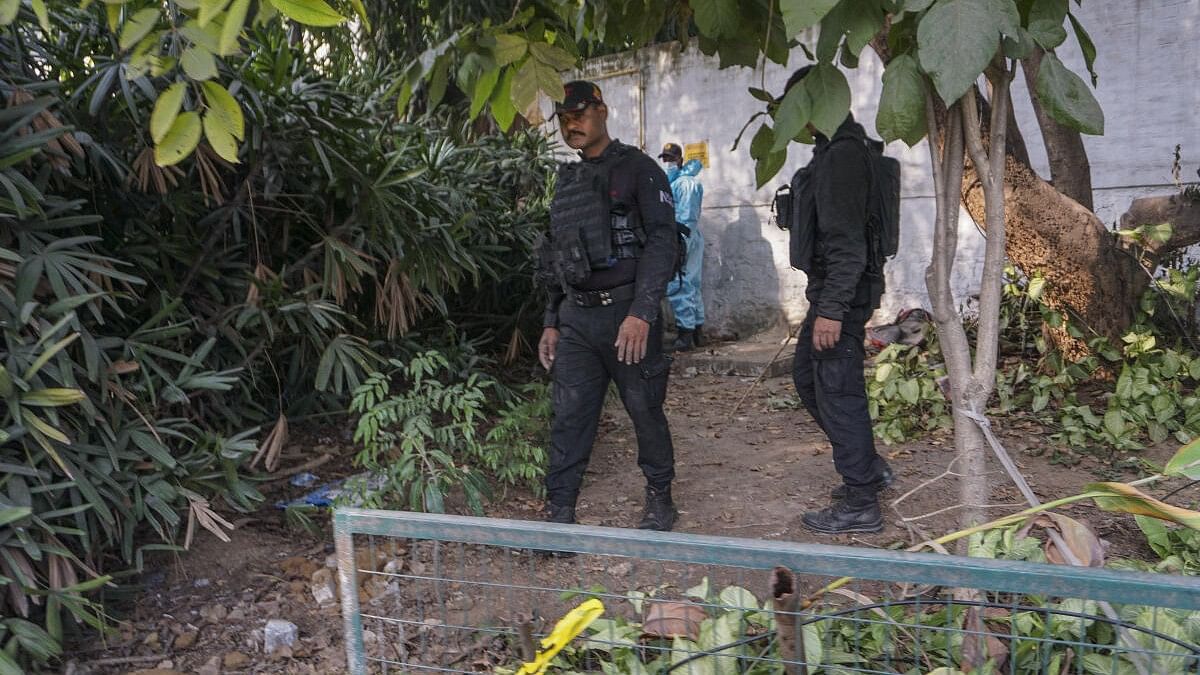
606 261
684 291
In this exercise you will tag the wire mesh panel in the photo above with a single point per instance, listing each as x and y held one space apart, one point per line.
454 594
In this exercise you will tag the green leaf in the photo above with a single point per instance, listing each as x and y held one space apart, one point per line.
1185 462
53 397
901 113
1008 19
501 101
1019 47
8 11
138 26
223 106
11 514
1086 46
209 9
910 391
166 109
438 80
220 137
231 30
510 48
179 141
793 115
484 86
525 85
309 12
830 96
207 37
1114 423
916 5
198 63
555 57
766 168
856 20
801 14
43 17
957 40
549 81
716 18
361 10
1067 98
1046 19
1124 498
763 141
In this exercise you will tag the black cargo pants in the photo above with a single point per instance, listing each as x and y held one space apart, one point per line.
831 386
584 363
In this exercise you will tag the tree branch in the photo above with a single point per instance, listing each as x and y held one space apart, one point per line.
991 284
1070 171
1181 210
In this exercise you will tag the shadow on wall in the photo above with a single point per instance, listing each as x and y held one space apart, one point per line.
741 277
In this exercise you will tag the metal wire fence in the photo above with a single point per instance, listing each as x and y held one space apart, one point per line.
455 594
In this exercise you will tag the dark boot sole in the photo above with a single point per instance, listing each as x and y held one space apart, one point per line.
866 528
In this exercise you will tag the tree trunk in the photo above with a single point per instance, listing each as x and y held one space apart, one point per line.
1070 170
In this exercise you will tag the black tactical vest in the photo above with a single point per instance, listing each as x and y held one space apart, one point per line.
587 230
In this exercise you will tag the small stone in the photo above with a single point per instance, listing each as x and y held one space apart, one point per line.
214 613
394 566
331 561
621 569
202 583
369 637
210 667
282 653
186 640
690 371
279 633
151 640
324 588
235 660
237 614
165 664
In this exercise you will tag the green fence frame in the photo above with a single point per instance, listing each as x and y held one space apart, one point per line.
1098 584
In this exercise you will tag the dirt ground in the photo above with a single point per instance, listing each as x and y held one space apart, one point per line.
750 476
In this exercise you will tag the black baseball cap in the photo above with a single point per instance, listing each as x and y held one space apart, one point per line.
577 95
671 151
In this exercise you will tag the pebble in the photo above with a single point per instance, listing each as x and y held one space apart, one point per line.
202 583
210 667
235 660
279 633
186 640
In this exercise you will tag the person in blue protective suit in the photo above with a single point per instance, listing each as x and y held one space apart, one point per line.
684 290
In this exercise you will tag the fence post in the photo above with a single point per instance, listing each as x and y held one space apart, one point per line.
343 536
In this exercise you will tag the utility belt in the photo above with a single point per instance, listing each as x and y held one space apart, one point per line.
603 298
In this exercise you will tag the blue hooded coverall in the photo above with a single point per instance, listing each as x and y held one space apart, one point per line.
684 290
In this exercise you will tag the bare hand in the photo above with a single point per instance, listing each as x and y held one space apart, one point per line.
631 340
547 346
826 333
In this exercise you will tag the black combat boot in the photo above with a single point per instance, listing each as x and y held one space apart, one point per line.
660 513
858 512
885 480
697 338
555 513
684 340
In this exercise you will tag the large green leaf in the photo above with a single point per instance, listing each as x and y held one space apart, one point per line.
510 48
8 11
138 26
43 16
1086 46
716 18
766 168
1008 18
856 20
231 30
485 84
901 113
198 63
224 107
309 12
1185 462
957 40
554 57
501 101
801 14
1067 98
1046 19
830 96
179 141
210 9
166 109
795 111
220 137
525 85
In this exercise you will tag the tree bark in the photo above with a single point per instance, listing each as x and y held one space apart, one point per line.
1181 210
1070 171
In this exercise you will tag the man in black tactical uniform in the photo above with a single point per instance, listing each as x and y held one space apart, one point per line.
831 194
606 261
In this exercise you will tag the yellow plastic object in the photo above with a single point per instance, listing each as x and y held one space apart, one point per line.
564 631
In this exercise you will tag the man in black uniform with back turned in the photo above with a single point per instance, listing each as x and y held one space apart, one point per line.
606 262
831 202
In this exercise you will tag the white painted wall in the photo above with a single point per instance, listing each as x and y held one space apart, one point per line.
1149 59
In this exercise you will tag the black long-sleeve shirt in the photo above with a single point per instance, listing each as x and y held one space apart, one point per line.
639 182
842 180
